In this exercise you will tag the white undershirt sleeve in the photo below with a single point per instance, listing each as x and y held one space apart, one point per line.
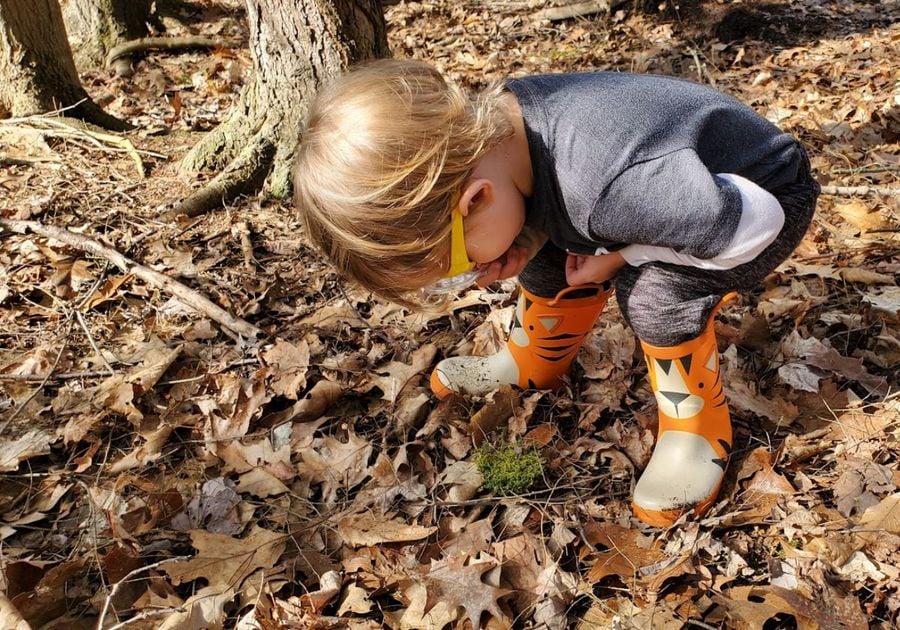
762 218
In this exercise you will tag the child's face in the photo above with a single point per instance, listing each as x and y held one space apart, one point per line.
494 214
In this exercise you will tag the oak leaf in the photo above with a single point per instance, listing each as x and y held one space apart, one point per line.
457 585
225 561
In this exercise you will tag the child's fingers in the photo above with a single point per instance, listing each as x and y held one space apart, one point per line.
574 262
575 269
516 259
492 274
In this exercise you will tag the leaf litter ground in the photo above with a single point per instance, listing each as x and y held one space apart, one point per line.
160 472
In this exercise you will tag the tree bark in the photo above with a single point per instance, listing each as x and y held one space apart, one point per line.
295 46
37 73
96 26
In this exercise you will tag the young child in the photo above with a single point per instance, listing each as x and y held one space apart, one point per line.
675 193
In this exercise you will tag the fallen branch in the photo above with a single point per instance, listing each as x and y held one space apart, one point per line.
158 43
10 160
188 296
50 376
860 191
578 9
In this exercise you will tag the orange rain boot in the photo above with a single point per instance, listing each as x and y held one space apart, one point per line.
544 339
694 437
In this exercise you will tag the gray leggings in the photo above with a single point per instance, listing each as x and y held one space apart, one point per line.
669 304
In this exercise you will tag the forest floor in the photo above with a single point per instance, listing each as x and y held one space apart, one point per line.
161 471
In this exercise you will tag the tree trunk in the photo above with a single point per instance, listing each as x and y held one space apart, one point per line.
95 26
37 73
295 45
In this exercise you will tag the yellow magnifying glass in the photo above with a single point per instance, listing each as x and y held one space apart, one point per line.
462 272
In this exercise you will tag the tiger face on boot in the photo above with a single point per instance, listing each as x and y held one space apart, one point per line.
686 385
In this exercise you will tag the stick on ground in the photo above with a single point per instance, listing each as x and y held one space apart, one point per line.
190 297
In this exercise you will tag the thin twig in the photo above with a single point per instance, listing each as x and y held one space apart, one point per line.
90 338
59 354
50 376
147 614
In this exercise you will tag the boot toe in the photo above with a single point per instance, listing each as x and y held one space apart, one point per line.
683 475
440 383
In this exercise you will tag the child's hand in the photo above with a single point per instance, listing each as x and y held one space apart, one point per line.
508 265
592 269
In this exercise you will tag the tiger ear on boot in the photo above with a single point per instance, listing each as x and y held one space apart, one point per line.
545 337
694 437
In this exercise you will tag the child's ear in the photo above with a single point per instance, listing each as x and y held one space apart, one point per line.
475 193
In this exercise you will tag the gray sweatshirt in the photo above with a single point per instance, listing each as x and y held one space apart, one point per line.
620 158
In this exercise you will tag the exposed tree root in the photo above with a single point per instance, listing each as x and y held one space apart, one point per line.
158 43
246 173
89 111
192 298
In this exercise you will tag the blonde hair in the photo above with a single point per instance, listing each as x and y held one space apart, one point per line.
386 150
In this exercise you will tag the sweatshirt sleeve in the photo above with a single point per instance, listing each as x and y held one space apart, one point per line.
678 203
762 218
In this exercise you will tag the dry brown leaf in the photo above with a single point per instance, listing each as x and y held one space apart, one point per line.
368 529
490 336
214 509
336 465
42 593
334 317
355 600
864 276
329 588
230 412
859 214
204 609
607 349
455 584
859 486
30 444
225 561
635 558
106 291
500 406
886 301
635 441
885 516
765 480
821 355
540 435
290 361
394 376
473 539
750 607
240 457
146 452
261 483
536 579
464 480
313 404
10 617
